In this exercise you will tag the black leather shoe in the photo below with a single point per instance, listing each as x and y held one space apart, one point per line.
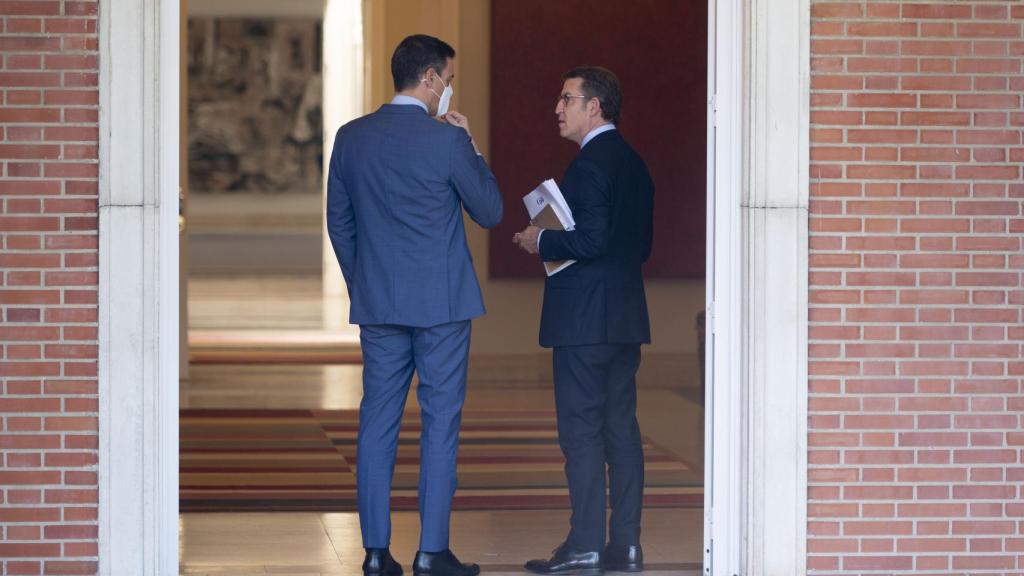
566 561
624 558
379 562
442 563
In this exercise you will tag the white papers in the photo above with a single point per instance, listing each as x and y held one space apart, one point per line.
548 209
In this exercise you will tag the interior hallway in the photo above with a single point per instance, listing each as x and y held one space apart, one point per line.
328 543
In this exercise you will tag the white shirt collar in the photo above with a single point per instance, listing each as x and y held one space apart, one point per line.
593 133
403 100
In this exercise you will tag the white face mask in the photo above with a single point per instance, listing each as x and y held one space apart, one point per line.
444 99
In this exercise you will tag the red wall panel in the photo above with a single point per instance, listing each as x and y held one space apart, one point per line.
658 49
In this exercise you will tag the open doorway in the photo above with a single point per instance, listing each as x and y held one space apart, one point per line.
256 287
248 399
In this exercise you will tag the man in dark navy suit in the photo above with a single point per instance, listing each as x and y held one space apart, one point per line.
595 318
398 183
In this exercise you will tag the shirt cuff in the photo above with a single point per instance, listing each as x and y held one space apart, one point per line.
539 234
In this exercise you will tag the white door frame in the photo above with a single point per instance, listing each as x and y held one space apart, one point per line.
756 416
757 322
138 287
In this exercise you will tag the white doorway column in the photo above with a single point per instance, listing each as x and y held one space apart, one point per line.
138 287
775 214
344 93
756 436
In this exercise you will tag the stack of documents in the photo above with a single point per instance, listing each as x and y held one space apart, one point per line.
547 209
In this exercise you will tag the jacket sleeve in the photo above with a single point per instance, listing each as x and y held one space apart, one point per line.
474 183
341 220
591 210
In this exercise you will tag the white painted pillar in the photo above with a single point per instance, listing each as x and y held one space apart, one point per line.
775 267
756 446
138 287
343 80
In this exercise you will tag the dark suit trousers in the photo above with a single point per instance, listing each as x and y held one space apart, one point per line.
390 354
595 396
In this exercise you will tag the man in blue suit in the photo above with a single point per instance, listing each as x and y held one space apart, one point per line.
595 318
399 179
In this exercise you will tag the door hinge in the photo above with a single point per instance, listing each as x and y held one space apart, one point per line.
713 106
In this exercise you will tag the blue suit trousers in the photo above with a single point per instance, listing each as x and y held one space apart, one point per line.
438 355
595 397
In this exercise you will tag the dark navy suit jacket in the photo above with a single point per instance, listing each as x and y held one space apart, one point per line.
397 185
600 299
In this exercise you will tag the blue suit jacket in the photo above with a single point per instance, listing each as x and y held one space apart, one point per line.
601 299
397 184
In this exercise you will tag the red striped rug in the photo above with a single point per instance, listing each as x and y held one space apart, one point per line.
270 460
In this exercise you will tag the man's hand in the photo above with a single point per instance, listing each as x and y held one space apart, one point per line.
527 239
456 119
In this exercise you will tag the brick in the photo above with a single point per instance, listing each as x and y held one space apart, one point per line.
931 545
881 64
936 118
76 567
988 137
934 333
925 475
882 136
931 510
937 11
893 100
880 279
835 10
950 47
29 151
988 30
69 26
1009 279
882 172
933 368
934 261
933 404
987 172
868 562
837 46
26 549
70 62
28 224
71 278
71 532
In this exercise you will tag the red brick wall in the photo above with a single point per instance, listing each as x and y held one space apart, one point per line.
915 270
48 285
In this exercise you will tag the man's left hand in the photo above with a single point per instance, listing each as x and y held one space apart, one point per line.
527 239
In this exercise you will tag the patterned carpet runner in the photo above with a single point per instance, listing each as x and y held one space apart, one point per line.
278 460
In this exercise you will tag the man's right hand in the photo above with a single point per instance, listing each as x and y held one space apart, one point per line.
457 119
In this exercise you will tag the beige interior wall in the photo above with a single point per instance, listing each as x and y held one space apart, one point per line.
513 306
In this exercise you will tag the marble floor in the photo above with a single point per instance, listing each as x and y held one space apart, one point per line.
253 263
328 543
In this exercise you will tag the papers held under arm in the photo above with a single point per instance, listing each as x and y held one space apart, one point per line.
548 209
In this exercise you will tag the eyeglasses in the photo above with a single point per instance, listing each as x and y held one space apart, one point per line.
567 98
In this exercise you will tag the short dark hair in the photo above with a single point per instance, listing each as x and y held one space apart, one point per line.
600 83
415 55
